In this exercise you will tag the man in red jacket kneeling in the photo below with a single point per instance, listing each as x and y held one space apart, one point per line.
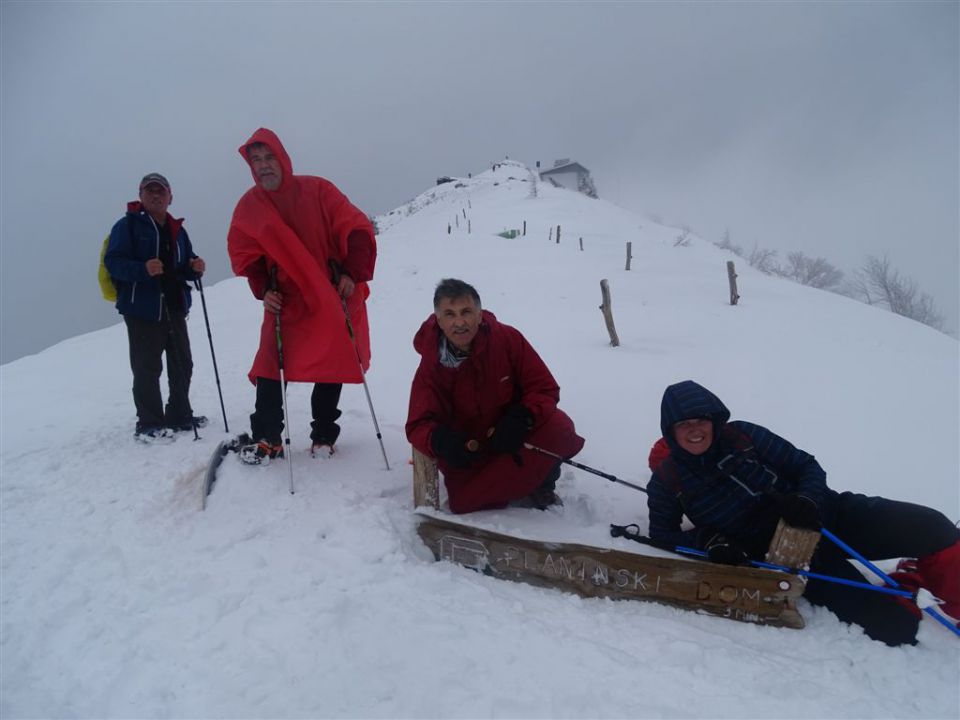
480 395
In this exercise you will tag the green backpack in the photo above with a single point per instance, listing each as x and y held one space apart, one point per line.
107 288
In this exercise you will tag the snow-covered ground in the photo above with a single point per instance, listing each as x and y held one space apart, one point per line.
121 599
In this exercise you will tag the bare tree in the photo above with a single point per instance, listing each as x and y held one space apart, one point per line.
726 244
876 283
815 272
764 260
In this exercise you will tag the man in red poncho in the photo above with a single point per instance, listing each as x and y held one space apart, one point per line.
308 254
480 394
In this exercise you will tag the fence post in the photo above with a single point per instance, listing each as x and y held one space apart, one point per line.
629 253
581 244
550 236
468 227
448 228
607 309
524 228
558 234
732 276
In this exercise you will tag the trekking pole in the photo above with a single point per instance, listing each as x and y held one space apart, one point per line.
176 358
283 383
363 376
199 285
611 478
929 609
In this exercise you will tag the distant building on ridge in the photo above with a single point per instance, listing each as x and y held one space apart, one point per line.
570 175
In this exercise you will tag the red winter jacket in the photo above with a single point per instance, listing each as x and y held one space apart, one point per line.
299 227
502 369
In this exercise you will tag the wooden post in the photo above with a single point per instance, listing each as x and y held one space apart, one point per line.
581 244
426 481
469 204
456 219
558 234
732 276
607 310
792 547
629 254
464 213
550 236
468 227
448 228
524 228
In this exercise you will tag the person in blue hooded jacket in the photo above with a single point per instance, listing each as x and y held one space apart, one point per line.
734 481
150 259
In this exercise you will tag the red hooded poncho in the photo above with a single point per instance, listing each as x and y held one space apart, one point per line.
502 369
298 228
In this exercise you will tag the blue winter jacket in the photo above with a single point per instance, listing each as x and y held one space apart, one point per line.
732 488
135 239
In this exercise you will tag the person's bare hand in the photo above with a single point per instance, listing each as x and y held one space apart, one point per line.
273 301
198 265
345 286
154 267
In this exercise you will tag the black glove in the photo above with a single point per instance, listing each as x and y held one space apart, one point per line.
451 446
511 429
723 550
800 512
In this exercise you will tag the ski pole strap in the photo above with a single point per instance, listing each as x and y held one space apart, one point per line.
632 532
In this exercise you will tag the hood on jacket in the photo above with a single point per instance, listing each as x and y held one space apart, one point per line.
687 400
427 340
270 139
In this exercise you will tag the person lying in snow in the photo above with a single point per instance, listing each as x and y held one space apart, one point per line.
735 480
480 393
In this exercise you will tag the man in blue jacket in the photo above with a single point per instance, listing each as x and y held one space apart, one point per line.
150 260
734 481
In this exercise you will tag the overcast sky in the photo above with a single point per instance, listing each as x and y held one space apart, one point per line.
830 128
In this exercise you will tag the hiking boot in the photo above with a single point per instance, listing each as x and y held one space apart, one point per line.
260 453
539 499
157 435
322 450
542 498
200 421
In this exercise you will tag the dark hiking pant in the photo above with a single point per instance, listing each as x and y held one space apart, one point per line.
266 423
148 342
878 529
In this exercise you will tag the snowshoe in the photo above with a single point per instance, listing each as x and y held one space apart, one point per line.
260 453
200 421
154 435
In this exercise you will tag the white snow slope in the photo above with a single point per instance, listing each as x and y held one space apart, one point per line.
120 599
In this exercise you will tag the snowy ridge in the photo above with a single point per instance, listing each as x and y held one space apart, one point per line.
121 599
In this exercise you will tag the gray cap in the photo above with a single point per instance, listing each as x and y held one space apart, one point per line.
151 178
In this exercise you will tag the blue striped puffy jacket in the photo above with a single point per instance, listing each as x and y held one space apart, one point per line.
732 488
